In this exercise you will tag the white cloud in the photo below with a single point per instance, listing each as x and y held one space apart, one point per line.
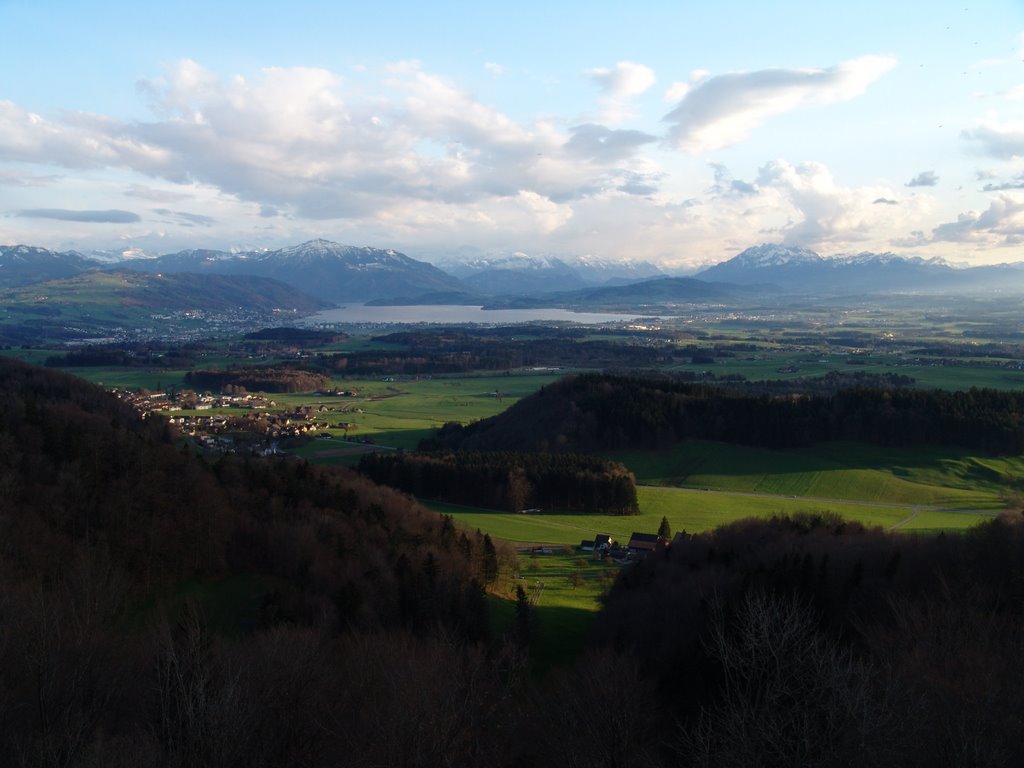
679 89
804 205
620 84
293 141
625 80
495 69
1002 224
723 110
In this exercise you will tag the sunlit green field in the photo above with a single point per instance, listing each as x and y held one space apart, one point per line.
772 365
928 476
695 511
566 586
399 414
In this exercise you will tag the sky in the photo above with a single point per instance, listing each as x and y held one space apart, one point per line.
678 133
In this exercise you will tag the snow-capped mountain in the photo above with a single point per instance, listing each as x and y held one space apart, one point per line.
114 256
522 273
25 264
321 268
802 271
767 256
597 271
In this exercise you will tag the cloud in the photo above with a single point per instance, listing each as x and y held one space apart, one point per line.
679 89
819 213
623 81
91 217
1002 224
620 84
495 69
923 179
1002 186
186 219
1003 140
144 192
16 179
597 142
884 201
726 185
296 142
723 110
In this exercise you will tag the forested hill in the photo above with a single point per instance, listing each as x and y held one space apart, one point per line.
322 585
599 412
812 641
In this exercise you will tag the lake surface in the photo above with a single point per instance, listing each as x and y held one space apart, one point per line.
456 313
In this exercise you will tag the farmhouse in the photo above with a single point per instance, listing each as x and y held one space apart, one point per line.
641 544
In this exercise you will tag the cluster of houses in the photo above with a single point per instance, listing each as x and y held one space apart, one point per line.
248 424
640 545
164 402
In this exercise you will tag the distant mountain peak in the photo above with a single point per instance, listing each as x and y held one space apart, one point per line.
801 271
773 255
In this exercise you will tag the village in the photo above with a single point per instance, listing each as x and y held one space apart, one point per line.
239 423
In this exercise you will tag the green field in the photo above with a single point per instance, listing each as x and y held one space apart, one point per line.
927 476
394 413
565 606
399 414
695 511
777 365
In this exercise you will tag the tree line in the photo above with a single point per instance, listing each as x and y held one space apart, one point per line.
509 481
281 378
599 412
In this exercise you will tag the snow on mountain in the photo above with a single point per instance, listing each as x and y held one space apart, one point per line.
769 255
321 268
114 256
25 264
799 270
522 273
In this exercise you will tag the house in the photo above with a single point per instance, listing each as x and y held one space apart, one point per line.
603 542
641 544
586 546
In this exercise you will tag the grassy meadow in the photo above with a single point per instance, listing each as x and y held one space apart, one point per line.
929 476
566 586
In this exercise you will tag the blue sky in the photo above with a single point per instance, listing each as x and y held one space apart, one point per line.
676 132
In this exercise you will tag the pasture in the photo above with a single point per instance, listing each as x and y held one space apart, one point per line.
566 587
694 511
933 476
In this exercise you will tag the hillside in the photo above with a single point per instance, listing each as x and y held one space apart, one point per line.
329 271
648 295
600 412
25 264
101 303
161 609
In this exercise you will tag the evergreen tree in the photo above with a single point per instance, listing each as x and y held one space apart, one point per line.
490 567
665 530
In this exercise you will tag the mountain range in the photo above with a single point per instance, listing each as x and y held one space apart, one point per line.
339 273
794 270
322 269
520 273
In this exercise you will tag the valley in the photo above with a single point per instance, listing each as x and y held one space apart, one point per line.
855 415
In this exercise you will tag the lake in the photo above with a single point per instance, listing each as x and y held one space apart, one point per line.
457 313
